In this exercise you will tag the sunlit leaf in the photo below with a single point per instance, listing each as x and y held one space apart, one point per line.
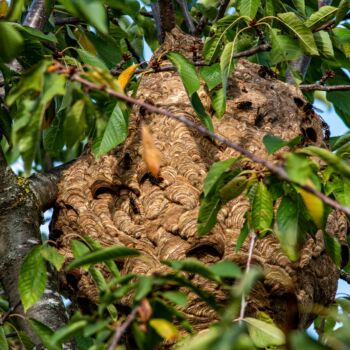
126 75
249 8
233 188
264 334
32 278
226 269
313 204
211 75
91 59
274 143
324 44
176 297
303 33
186 71
343 8
262 208
164 328
208 211
323 15
200 111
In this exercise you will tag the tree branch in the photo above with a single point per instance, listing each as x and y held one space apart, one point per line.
164 16
38 13
221 10
344 276
277 170
122 329
312 87
186 16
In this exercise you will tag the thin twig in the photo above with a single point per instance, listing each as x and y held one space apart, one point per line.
312 87
8 313
344 276
279 171
247 269
122 329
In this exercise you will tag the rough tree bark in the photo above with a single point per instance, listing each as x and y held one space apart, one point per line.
116 201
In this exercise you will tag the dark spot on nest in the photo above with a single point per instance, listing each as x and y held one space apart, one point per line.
311 134
308 108
244 105
298 101
265 72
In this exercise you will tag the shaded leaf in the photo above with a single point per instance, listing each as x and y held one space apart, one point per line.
243 234
144 287
333 248
233 188
101 255
67 332
290 227
91 59
202 114
115 132
208 212
274 143
343 8
10 41
214 174
44 332
32 278
3 341
226 269
176 297
324 44
219 102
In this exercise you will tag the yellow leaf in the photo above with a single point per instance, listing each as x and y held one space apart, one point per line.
84 41
164 328
151 155
3 8
126 75
313 204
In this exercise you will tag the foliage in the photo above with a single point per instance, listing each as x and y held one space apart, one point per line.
46 114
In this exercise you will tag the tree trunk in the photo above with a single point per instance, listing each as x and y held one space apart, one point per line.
116 201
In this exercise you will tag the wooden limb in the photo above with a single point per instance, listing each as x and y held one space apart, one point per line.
320 87
221 10
38 13
186 15
164 16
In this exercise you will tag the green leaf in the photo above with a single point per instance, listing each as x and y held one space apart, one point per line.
44 332
91 59
187 72
227 63
68 332
10 42
3 341
202 114
343 8
193 266
330 158
219 102
274 143
300 340
176 297
213 45
98 278
116 132
341 141
333 248
342 39
164 328
35 33
32 278
264 334
79 248
298 167
51 255
208 212
226 269
299 5
211 75
53 137
75 123
102 255
284 48
95 13
324 44
249 8
262 208
233 188
290 227
340 187
144 287
303 33
323 15
214 174
243 234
